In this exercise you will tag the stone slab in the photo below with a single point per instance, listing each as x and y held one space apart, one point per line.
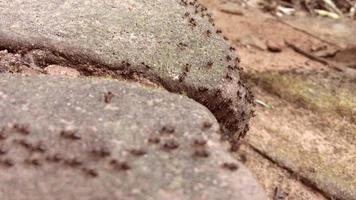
170 42
90 139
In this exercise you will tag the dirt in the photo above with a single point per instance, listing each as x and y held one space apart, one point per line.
308 119
272 176
318 150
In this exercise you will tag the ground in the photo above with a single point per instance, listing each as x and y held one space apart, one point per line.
302 138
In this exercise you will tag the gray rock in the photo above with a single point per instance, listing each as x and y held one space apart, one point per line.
90 139
169 42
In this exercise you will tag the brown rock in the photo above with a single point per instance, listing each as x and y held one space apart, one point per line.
57 70
274 46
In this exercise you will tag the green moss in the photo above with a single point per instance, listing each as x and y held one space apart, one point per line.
313 93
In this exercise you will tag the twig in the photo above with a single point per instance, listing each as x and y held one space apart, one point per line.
325 13
312 57
262 103
306 32
232 11
330 5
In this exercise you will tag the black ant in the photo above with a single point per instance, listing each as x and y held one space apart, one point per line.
201 153
121 166
230 166
192 22
90 172
208 33
70 134
137 152
182 76
108 97
170 145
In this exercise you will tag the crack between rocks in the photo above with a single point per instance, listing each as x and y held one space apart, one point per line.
232 116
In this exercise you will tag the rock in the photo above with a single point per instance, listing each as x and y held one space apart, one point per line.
169 42
103 139
57 70
274 46
28 70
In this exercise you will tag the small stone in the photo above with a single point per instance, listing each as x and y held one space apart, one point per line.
274 46
57 70
29 70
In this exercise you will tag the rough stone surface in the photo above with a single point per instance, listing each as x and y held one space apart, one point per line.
170 42
103 139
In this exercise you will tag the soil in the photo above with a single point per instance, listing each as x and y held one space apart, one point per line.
262 41
271 176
